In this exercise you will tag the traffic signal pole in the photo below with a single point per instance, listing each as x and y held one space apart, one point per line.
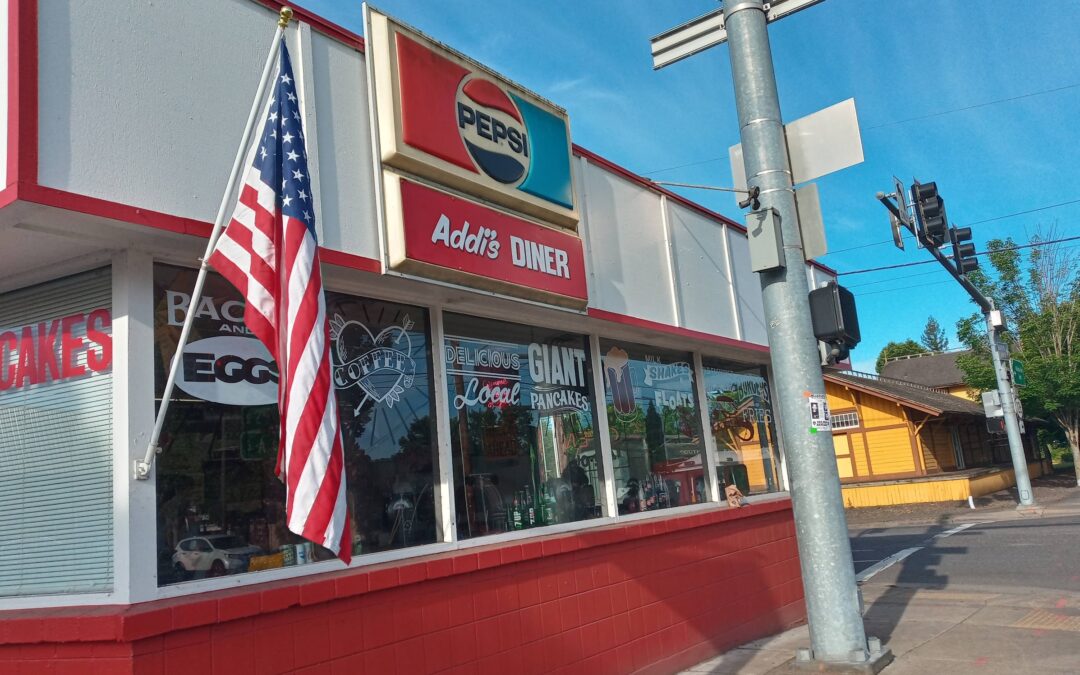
837 635
999 352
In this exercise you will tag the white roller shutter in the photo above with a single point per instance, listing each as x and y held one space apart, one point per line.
56 437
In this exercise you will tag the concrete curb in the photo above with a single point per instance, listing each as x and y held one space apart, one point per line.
976 516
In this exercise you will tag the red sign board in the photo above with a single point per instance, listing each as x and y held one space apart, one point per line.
447 236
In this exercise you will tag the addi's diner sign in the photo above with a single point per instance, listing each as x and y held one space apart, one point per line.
441 116
440 235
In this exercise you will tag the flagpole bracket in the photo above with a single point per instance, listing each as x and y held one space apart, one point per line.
143 466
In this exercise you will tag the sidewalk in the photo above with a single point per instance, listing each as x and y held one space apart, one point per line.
955 629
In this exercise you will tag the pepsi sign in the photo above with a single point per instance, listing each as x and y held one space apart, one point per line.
443 117
492 130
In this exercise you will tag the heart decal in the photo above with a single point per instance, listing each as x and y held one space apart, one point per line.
379 365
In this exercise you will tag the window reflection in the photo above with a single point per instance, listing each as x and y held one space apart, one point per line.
521 426
221 509
740 416
657 448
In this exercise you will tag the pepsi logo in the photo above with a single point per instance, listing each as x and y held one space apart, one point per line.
492 129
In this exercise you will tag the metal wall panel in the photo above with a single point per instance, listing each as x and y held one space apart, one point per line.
627 248
748 287
703 283
56 533
346 180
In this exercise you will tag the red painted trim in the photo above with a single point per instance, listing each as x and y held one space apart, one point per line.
674 330
93 206
356 262
22 160
136 622
320 24
643 181
9 195
161 221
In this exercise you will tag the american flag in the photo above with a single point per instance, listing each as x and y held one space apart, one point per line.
269 251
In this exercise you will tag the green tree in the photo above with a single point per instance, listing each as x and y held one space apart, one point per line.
894 349
1040 300
933 336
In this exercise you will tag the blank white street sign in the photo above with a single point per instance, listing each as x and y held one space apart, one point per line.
688 39
818 144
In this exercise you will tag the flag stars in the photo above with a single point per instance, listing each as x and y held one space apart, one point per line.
285 79
302 195
297 175
273 117
286 201
262 152
291 155
291 96
307 217
287 138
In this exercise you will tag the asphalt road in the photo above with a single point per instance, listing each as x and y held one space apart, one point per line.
1013 555
868 546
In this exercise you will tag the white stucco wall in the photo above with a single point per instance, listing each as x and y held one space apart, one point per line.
144 103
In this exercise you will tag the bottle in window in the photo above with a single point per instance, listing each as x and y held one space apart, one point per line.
530 508
517 513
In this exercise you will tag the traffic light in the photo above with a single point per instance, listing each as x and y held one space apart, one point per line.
930 210
963 250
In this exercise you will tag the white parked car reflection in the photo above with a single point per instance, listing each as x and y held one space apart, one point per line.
212 554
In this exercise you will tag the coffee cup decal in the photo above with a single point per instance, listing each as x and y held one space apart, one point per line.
617 371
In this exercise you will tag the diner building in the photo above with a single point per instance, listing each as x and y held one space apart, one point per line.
547 371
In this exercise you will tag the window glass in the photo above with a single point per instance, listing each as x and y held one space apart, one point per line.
656 443
521 426
221 509
740 413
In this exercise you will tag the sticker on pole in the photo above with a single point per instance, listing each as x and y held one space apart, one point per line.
819 414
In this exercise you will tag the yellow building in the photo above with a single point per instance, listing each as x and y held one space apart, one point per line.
898 442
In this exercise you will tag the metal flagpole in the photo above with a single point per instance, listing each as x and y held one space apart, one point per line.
142 466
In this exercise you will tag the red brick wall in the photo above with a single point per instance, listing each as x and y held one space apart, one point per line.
654 596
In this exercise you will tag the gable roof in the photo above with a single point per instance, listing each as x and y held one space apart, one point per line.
929 370
906 394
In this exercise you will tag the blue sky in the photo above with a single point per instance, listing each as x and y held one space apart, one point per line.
899 60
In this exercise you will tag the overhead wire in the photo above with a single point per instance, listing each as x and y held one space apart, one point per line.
943 280
902 121
927 262
977 222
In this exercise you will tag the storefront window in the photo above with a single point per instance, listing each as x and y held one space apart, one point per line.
521 426
656 443
221 509
740 414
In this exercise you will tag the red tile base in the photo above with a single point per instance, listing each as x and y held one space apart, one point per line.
647 597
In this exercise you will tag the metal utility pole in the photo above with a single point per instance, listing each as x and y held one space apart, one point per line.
999 352
930 227
837 635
